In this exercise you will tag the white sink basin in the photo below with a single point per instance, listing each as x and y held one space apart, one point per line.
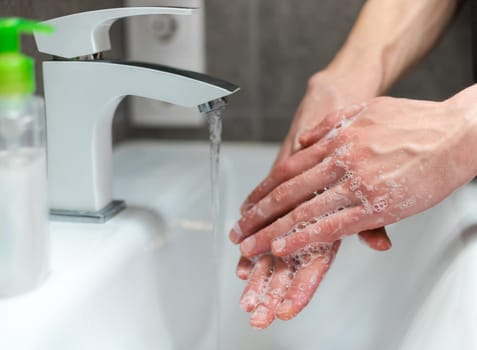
145 280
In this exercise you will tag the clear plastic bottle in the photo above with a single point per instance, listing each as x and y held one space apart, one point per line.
24 244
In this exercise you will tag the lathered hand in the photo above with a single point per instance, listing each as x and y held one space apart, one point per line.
282 287
377 52
326 92
285 281
362 168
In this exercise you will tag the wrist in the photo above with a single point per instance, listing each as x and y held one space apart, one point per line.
462 108
358 76
374 66
464 104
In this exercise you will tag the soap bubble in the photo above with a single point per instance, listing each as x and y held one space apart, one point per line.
380 203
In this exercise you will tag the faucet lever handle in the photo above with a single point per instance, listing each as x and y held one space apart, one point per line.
87 33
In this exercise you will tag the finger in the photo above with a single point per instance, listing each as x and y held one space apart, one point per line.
257 283
264 314
291 143
298 219
305 283
326 230
334 120
287 196
285 151
244 267
376 239
287 169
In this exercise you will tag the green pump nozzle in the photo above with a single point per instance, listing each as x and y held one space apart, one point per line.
17 71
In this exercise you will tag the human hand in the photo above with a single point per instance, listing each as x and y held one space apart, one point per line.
327 91
364 167
291 281
282 287
321 98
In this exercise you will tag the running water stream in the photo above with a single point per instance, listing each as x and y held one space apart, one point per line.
215 132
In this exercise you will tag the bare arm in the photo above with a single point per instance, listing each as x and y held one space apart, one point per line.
388 38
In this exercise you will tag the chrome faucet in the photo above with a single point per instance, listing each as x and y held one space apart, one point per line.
82 92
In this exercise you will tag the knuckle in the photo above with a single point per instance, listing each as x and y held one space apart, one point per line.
300 214
273 295
281 194
246 225
284 168
340 192
264 262
331 120
324 230
312 234
261 189
298 293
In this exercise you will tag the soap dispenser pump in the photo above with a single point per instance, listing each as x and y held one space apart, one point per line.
23 204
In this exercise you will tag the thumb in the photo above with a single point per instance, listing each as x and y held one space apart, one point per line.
332 121
376 239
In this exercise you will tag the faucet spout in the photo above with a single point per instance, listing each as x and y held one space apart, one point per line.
213 105
81 97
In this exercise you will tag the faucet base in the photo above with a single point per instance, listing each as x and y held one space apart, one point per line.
98 217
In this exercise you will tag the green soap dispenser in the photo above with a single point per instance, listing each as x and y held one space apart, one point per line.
24 243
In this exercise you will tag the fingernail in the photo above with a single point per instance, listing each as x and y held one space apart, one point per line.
278 245
380 244
283 310
242 274
248 245
248 301
236 233
259 318
383 244
260 313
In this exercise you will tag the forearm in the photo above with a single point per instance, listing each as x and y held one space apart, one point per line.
389 37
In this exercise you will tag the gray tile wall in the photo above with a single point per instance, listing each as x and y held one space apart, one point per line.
270 48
